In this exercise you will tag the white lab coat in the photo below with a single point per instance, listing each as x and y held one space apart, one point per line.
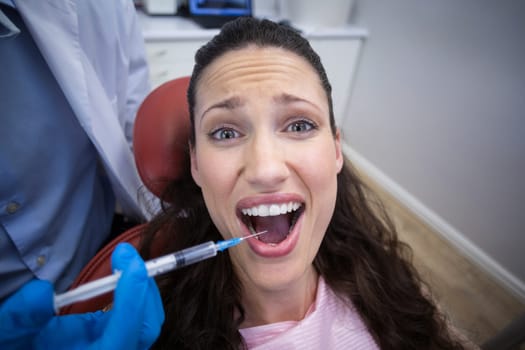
95 50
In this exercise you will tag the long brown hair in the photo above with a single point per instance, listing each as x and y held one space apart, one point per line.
360 257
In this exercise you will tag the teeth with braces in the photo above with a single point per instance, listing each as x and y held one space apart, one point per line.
271 209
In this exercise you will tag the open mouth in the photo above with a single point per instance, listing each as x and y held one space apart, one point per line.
277 219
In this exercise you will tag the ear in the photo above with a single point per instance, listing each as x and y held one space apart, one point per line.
194 166
339 158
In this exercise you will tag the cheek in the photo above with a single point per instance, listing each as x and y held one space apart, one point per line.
317 165
318 169
214 170
217 177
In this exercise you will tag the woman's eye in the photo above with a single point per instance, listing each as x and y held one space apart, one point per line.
224 134
301 126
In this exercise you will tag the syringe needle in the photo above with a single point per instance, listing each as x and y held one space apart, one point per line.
232 242
253 235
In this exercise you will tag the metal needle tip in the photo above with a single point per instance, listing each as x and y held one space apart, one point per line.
254 235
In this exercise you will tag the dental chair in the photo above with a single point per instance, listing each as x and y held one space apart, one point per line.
160 139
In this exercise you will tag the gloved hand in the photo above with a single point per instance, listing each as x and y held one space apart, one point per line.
25 314
133 323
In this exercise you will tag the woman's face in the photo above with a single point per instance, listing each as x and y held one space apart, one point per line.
266 160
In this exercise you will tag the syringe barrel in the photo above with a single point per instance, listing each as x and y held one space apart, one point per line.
181 258
87 291
155 267
194 254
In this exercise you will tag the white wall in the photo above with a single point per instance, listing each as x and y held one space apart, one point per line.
438 115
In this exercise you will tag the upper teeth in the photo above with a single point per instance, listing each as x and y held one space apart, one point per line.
271 209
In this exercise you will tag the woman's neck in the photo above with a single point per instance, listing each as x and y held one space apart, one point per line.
288 304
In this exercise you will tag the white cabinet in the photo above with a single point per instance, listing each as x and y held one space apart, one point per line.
171 43
171 59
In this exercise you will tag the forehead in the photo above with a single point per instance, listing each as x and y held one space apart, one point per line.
238 70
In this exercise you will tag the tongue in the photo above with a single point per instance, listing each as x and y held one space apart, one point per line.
277 228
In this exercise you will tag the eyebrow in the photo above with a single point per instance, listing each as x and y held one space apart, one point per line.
236 101
229 103
285 98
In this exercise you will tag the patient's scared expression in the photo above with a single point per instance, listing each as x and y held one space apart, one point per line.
266 159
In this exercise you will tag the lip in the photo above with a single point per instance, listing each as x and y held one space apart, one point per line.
282 248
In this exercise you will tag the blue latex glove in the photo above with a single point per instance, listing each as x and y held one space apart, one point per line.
25 314
27 318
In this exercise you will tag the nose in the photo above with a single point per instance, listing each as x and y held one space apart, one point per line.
266 166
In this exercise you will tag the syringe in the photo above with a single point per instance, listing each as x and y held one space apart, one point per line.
154 267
